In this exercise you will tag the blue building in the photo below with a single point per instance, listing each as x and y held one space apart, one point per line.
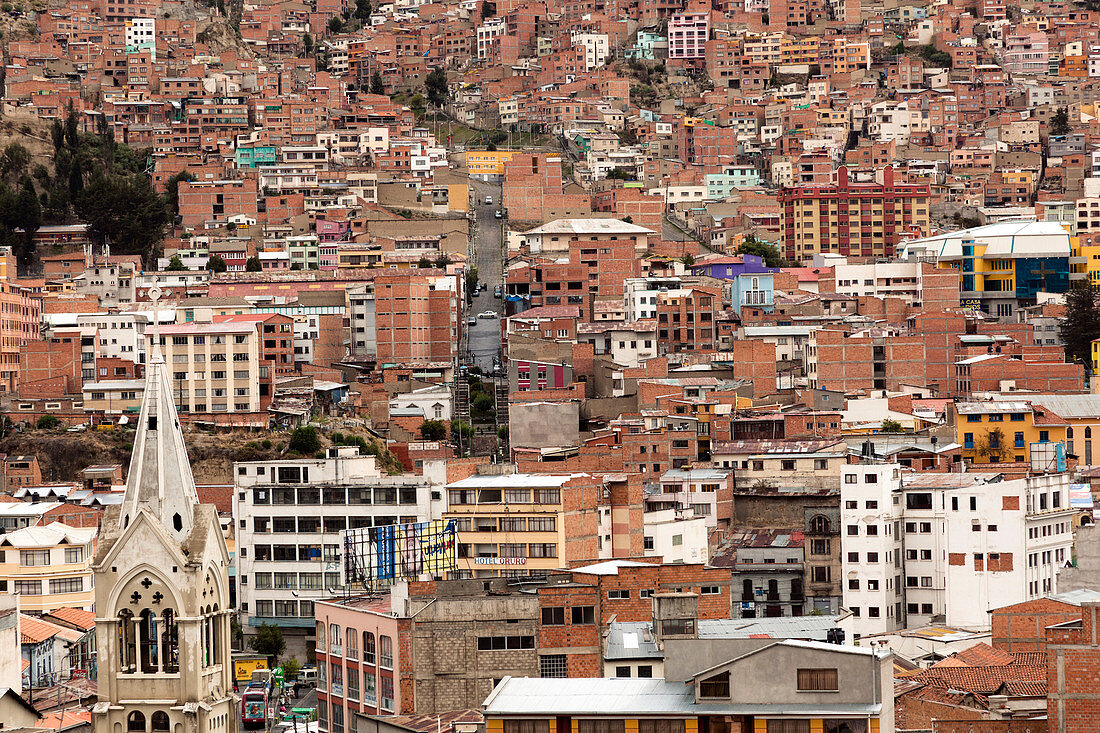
753 290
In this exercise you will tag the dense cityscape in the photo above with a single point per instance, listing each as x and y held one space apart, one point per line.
523 366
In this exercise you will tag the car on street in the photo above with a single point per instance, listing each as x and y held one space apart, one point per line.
488 200
471 321
486 315
497 292
497 214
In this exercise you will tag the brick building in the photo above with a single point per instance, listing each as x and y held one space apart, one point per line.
417 316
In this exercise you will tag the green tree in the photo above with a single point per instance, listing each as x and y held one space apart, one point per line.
304 440
1081 325
423 262
268 641
935 57
335 24
435 86
442 260
216 263
291 668
1059 122
471 279
433 430
172 194
175 264
72 127
462 429
991 445
57 135
619 174
47 422
253 264
307 43
15 160
125 211
891 426
769 252
688 260
488 9
482 403
363 10
376 85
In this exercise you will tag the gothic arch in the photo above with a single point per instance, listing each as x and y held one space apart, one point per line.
146 582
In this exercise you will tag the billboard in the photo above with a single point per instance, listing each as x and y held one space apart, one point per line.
376 556
1080 498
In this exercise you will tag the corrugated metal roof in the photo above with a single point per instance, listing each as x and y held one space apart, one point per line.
1069 406
615 697
986 408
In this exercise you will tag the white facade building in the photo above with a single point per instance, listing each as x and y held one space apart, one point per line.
595 48
870 545
141 35
289 515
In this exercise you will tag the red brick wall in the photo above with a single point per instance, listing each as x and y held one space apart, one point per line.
989 726
1019 627
1073 669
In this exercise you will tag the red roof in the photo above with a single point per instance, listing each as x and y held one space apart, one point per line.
75 617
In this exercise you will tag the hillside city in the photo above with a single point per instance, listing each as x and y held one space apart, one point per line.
525 366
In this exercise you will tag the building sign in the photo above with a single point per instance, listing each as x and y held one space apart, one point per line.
500 561
380 555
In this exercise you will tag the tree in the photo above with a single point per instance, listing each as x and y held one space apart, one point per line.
1081 325
619 174
433 430
125 211
769 252
936 57
335 24
175 264
15 159
423 262
47 422
291 668
171 195
891 426
462 429
688 260
72 127
471 279
363 10
307 43
253 264
488 9
216 263
442 260
268 641
1059 122
376 85
57 135
482 403
991 445
304 440
435 86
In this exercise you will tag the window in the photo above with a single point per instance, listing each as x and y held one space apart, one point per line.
499 643
583 615
818 680
623 671
553 616
74 554
66 585
552 665
385 652
709 590
677 626
717 686
28 587
618 595
34 558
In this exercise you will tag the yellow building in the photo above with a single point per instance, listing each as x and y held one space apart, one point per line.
49 567
487 162
1004 432
508 525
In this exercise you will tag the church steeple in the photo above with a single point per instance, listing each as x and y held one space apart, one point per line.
160 477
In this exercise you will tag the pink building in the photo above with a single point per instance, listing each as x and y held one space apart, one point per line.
1027 54
687 35
357 653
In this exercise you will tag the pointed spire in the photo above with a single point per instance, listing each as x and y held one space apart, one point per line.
160 477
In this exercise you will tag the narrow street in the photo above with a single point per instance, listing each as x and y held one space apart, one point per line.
483 345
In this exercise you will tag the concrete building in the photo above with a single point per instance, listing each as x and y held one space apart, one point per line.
288 518
48 567
849 217
417 317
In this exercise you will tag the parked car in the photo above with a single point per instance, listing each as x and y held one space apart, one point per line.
487 315
497 214
488 200
471 321
498 292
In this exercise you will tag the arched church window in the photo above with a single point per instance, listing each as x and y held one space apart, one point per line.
215 637
127 653
135 723
160 721
169 642
148 642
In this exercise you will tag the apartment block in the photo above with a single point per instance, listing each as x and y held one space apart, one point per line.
851 218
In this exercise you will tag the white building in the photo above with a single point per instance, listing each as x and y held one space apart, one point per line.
595 48
948 546
676 536
141 35
903 280
289 515
487 35
869 546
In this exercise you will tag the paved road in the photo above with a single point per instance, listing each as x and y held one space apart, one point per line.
484 338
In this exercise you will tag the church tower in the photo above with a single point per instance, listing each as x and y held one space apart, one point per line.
162 589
